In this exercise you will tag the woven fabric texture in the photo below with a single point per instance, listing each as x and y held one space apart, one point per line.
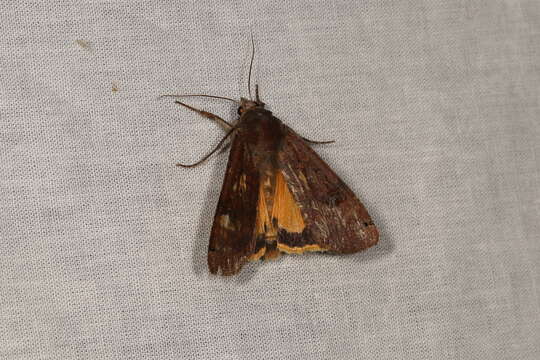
435 109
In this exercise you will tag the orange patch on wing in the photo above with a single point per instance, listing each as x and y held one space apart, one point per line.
284 214
299 249
285 209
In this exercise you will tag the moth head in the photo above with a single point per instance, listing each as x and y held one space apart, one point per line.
246 104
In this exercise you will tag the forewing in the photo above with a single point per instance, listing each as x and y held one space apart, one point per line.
231 239
335 220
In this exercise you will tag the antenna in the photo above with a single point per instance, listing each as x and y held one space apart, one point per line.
251 64
202 95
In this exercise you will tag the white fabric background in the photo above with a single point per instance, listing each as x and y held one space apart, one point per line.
435 107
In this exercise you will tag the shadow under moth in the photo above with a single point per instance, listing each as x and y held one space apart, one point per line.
278 195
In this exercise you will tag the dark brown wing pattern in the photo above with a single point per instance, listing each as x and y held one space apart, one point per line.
231 239
335 220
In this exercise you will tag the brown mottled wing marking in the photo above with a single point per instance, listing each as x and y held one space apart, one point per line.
335 219
231 240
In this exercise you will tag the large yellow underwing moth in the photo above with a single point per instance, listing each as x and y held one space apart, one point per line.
278 195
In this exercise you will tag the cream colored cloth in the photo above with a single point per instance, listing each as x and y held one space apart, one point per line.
435 109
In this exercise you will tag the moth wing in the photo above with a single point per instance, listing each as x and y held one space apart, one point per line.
231 239
335 220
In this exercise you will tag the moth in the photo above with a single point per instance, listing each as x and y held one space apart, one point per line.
278 195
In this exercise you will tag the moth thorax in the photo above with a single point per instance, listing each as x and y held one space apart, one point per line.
246 104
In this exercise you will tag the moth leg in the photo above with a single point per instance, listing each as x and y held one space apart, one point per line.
210 153
208 115
317 142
